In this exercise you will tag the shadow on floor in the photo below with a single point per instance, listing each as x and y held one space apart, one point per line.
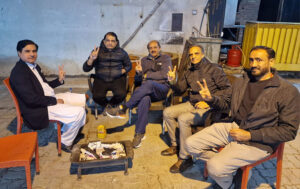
15 177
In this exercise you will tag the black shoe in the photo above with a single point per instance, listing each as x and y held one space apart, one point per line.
169 151
117 112
137 140
66 148
181 165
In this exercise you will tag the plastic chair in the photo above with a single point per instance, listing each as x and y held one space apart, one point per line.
20 119
17 150
278 153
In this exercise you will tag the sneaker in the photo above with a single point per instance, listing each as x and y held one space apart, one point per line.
137 140
116 112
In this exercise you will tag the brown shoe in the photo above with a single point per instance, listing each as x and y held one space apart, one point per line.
169 151
181 165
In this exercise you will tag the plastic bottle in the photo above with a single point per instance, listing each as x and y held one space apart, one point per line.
101 131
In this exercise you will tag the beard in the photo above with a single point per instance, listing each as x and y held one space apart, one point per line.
259 72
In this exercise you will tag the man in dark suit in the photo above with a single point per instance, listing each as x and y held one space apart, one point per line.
38 102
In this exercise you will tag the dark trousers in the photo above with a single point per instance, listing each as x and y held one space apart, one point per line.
118 88
142 97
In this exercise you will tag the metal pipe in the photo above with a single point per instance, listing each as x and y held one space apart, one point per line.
142 23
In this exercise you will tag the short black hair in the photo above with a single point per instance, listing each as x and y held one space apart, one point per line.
111 34
201 48
23 43
271 53
157 42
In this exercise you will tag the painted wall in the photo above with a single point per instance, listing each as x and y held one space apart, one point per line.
67 30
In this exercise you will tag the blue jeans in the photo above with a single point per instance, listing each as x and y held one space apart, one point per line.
142 97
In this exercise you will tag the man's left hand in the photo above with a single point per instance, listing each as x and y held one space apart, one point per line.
240 135
123 71
204 91
61 73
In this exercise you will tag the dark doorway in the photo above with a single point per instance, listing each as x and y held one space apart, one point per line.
268 10
279 11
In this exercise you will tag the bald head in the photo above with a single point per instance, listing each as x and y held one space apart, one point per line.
196 54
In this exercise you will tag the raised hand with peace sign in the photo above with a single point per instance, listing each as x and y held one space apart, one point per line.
204 91
61 73
93 56
172 74
138 67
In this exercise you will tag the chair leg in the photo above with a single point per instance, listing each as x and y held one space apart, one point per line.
279 171
245 176
28 175
96 111
59 138
163 128
130 116
37 161
278 176
205 172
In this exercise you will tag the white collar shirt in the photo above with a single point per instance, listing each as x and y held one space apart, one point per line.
48 91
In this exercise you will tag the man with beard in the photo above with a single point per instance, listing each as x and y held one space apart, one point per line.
152 73
111 64
265 112
194 111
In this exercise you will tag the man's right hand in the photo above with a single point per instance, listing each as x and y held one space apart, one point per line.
60 101
171 74
93 56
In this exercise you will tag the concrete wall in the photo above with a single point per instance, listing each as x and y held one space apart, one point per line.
67 30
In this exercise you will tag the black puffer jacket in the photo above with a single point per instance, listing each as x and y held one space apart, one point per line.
109 64
216 80
275 116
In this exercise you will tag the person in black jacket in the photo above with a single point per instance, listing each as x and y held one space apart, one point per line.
111 65
265 111
193 112
152 73
37 100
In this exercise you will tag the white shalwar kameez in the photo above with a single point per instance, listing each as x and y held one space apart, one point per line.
71 113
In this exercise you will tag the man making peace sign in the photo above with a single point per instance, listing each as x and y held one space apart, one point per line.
193 111
152 73
265 112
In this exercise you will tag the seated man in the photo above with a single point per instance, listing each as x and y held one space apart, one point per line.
265 112
37 100
153 74
111 65
193 111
